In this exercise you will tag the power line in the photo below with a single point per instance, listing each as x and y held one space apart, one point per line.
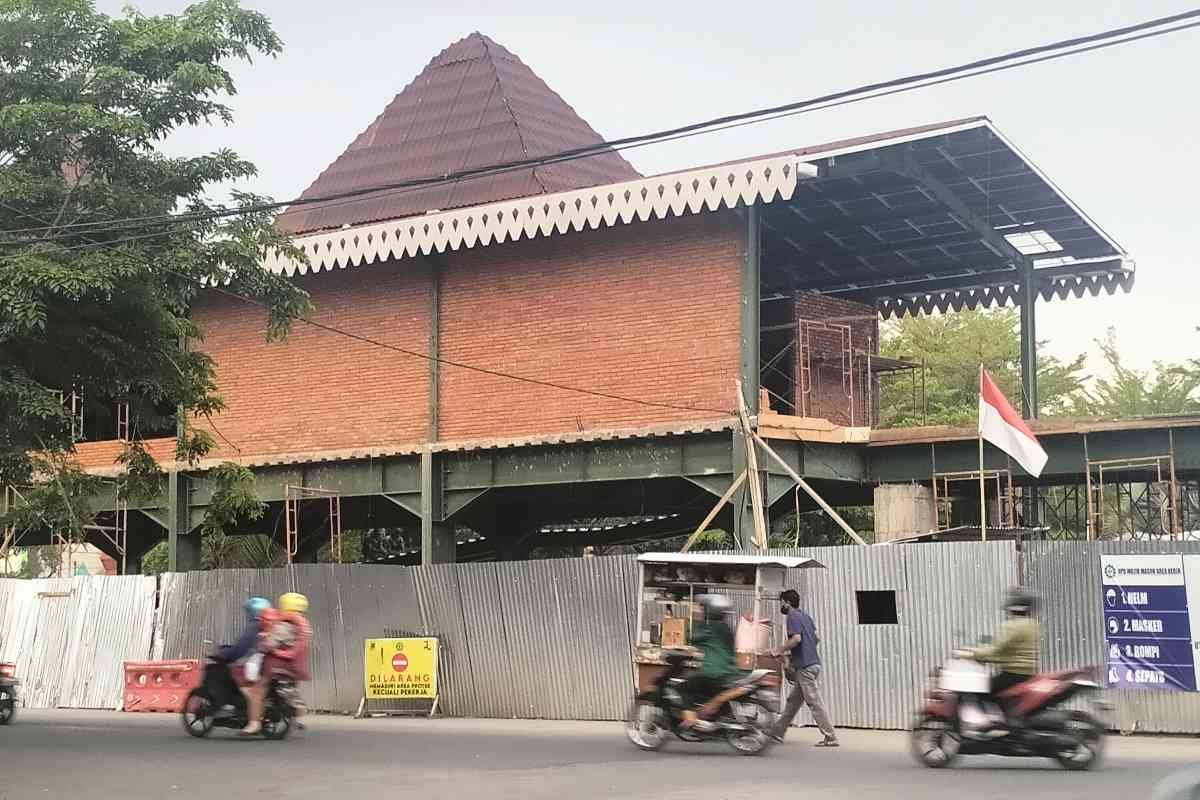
438 359
1069 47
473 368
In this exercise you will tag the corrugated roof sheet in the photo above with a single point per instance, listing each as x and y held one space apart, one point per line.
475 104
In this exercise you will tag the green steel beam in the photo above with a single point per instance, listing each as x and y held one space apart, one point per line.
1068 454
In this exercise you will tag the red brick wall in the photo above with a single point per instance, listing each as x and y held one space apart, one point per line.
648 310
828 398
319 390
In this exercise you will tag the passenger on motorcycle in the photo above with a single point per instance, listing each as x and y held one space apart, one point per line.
1017 646
283 642
712 635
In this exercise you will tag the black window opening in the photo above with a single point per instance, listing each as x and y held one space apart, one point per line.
876 608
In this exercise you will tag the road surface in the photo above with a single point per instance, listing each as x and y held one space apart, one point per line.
100 755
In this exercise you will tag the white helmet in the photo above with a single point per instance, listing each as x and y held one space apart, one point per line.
715 605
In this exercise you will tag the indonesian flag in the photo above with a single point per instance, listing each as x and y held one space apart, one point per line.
1001 425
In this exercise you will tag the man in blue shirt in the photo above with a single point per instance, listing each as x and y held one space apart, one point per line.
803 670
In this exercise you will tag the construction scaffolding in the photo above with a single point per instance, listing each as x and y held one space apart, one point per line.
1133 498
293 496
823 370
117 534
944 496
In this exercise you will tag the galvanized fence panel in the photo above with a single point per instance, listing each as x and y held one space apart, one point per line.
956 595
371 602
441 604
1066 576
865 668
491 655
69 637
113 624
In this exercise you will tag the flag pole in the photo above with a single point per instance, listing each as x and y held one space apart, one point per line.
982 482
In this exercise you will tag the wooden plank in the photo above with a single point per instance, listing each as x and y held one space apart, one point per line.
725 498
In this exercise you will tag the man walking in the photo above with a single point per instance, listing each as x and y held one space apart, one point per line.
803 670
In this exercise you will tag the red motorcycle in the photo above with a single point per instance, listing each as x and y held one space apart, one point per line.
960 717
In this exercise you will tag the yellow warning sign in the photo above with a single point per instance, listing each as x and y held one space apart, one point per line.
401 669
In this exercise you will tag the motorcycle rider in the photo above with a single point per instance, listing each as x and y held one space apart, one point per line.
246 644
1017 646
712 635
283 641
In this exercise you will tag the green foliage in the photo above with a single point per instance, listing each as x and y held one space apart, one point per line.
234 500
85 102
156 560
249 551
952 347
1128 392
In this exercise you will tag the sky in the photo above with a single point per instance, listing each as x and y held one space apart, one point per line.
1113 129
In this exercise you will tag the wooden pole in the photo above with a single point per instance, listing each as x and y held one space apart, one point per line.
982 482
982 495
803 484
753 481
733 487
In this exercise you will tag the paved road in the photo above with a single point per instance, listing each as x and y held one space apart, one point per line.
102 755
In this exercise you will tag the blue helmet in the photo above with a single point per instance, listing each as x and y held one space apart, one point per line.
255 606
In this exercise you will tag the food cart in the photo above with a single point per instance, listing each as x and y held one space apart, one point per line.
669 583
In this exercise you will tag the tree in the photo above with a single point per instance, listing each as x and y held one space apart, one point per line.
1167 389
90 303
952 346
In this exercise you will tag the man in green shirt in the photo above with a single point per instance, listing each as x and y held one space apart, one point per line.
713 637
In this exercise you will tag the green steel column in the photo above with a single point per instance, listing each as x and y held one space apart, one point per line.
183 546
1029 395
743 517
435 348
751 306
437 535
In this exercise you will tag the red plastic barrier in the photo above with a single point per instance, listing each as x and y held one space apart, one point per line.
160 685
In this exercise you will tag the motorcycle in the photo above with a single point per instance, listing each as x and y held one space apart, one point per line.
8 693
218 703
744 721
960 718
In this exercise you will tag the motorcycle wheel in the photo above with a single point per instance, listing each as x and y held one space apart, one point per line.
758 740
277 725
197 715
8 712
1088 734
934 742
646 726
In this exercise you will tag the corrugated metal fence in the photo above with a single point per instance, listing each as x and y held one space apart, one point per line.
69 637
553 639
1067 577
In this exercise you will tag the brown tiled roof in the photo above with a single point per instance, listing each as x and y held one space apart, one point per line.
474 105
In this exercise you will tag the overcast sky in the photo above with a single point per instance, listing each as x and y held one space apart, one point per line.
1115 129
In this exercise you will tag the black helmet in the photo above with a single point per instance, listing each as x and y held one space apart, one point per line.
1020 602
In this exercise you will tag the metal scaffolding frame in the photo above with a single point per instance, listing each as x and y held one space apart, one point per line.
804 372
293 496
1143 508
943 497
